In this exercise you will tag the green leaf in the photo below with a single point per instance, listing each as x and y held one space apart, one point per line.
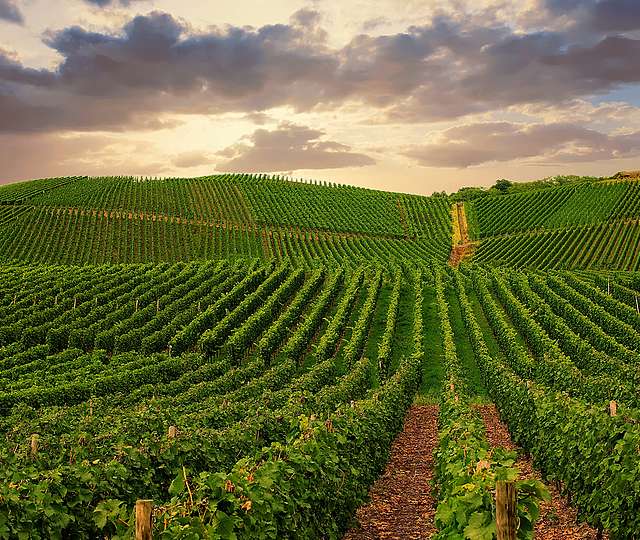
478 528
177 486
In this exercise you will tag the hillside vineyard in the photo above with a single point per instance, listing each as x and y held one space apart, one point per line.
242 351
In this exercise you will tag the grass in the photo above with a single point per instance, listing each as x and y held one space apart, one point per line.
426 399
376 330
464 348
403 336
433 372
354 315
489 337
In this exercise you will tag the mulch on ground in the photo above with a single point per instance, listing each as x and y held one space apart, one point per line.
402 505
558 519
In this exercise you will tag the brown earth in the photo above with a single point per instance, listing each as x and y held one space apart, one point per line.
402 506
558 519
462 245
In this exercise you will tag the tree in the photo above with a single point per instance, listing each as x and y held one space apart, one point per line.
503 185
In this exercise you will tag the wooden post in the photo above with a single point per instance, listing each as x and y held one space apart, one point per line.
157 305
608 287
34 445
137 302
144 514
506 510
75 302
637 306
173 431
613 408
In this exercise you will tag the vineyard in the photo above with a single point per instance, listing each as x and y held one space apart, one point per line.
589 225
250 357
128 220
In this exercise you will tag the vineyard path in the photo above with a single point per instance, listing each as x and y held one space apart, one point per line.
461 246
557 518
401 503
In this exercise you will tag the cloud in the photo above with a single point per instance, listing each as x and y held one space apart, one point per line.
476 144
12 71
157 66
243 68
187 160
289 147
374 23
109 3
599 15
258 118
607 114
9 12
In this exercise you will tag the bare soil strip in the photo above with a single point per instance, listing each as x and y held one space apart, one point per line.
402 505
462 246
557 518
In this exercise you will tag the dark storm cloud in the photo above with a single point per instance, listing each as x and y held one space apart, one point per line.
289 147
443 70
475 144
9 12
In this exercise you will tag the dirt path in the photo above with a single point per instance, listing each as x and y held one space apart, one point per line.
401 504
462 246
557 518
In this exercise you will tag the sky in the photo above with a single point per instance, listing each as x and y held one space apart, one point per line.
401 95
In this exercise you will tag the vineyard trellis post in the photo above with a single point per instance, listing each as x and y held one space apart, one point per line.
144 516
34 445
506 510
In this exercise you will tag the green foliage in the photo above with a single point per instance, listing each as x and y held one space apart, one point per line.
467 468
126 219
263 364
503 185
584 224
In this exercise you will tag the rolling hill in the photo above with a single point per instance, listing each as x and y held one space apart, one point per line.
241 352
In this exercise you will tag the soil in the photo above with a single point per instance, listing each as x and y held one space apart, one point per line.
462 245
402 505
558 520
